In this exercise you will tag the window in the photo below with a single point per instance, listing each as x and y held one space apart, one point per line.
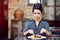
57 10
49 9
30 2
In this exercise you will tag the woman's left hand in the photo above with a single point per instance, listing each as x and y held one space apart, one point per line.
45 31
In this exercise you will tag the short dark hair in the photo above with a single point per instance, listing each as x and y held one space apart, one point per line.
37 6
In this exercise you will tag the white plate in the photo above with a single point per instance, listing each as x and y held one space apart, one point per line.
42 37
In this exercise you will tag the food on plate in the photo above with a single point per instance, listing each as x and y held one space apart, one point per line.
35 36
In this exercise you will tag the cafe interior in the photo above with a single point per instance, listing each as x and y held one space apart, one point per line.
11 29
51 10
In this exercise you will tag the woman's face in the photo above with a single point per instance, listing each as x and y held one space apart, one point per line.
37 14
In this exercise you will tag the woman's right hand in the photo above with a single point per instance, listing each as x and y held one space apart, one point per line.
31 31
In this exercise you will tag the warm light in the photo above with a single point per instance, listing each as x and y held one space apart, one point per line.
34 1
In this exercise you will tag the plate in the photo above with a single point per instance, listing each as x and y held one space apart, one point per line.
42 37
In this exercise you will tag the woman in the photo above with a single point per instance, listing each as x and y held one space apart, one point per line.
37 25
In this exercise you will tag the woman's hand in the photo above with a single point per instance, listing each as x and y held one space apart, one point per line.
31 31
43 30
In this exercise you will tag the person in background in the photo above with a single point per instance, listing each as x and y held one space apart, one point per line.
37 25
19 16
19 21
